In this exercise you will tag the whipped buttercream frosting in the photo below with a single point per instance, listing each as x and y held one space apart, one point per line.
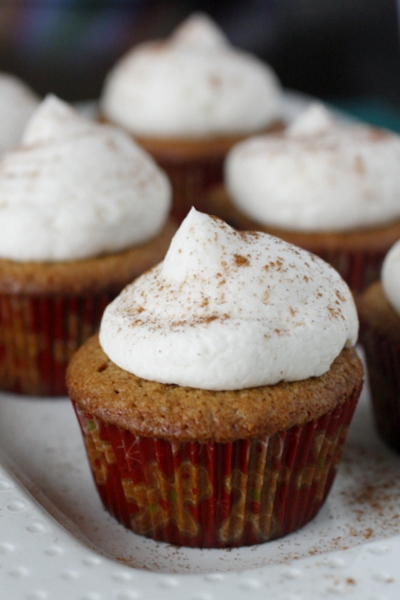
195 83
390 276
17 103
75 189
230 310
320 174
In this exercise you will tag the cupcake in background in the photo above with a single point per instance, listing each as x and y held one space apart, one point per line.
17 103
83 211
188 99
330 187
216 402
379 310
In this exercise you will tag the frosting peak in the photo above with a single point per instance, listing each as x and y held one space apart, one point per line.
52 121
199 31
193 84
230 310
316 119
76 189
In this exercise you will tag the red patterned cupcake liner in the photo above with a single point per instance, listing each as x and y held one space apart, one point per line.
39 334
383 362
216 494
189 181
359 268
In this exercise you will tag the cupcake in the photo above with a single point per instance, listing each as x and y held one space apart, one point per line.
83 211
379 309
17 103
215 401
188 99
330 187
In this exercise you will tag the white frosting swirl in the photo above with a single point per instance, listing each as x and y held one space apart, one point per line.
390 276
17 103
76 189
230 310
319 175
193 84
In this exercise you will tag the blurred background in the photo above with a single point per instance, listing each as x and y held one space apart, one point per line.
343 51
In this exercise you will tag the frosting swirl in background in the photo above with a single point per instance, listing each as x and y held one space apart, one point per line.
75 189
319 175
390 276
17 103
230 310
193 84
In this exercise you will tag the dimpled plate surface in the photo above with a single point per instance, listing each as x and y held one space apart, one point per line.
57 542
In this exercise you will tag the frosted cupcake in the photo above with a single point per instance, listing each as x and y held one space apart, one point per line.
83 211
187 99
17 103
215 404
330 187
379 308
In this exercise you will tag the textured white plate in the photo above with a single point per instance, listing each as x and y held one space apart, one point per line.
57 542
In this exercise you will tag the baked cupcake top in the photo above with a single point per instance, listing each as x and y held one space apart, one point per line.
318 175
75 189
194 84
229 310
390 277
17 103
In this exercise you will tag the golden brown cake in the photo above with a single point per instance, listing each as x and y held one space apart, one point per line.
183 414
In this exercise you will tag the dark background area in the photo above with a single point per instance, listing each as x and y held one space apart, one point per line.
338 50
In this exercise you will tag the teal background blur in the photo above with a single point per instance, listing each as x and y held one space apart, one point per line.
343 51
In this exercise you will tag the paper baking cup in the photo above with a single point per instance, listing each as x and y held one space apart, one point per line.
38 336
189 180
216 494
383 362
359 269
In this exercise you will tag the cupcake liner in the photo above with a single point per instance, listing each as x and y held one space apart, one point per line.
38 336
358 268
216 494
189 181
383 362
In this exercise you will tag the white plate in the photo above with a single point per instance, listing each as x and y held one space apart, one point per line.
58 543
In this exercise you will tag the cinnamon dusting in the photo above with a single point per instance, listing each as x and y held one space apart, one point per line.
241 261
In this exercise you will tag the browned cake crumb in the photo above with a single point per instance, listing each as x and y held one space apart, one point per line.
376 312
108 272
172 412
373 239
187 149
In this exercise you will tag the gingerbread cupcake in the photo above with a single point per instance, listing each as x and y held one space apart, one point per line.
330 187
215 403
188 99
83 211
379 309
